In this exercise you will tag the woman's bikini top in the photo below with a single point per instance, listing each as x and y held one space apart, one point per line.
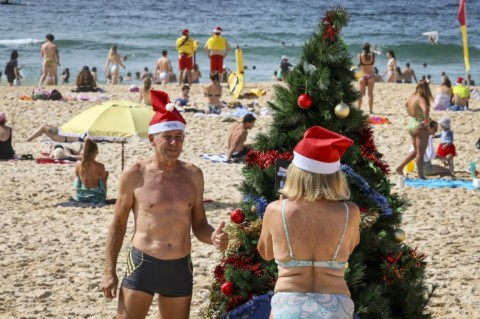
330 264
216 95
418 115
361 63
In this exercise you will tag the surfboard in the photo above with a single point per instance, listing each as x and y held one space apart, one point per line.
235 84
236 79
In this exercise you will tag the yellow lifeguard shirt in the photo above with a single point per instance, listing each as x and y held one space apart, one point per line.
186 47
216 42
461 90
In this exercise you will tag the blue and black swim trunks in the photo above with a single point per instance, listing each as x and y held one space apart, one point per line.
168 278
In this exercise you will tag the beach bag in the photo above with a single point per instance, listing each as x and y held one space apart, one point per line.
8 69
40 94
55 95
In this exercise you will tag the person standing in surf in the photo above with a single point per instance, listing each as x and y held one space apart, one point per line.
217 48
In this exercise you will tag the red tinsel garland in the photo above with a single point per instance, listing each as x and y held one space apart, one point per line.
399 267
265 159
329 32
368 149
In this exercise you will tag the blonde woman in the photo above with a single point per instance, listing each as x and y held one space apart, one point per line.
145 91
312 232
90 176
114 61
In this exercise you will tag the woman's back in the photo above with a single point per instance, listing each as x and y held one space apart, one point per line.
91 175
315 230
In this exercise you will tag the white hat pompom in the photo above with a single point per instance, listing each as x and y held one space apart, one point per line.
170 107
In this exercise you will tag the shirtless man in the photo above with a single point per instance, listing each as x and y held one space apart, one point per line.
163 69
165 195
51 59
237 137
408 74
217 49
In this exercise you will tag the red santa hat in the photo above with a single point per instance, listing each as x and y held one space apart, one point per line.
460 80
320 151
185 32
166 117
217 30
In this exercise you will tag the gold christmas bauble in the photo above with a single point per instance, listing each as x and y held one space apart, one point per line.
342 110
253 209
398 235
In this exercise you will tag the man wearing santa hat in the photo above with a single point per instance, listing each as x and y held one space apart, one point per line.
166 197
461 95
217 48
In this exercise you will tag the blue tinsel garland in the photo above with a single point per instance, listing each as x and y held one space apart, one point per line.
260 203
257 307
379 199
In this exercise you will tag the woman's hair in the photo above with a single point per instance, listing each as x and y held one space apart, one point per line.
85 78
434 125
14 55
89 151
446 81
113 51
147 83
3 118
301 184
392 54
215 77
423 89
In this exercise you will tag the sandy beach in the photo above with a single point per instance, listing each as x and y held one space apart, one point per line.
52 256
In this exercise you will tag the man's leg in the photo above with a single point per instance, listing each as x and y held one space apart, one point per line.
174 307
133 304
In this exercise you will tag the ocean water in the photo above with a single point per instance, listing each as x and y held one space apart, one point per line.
266 30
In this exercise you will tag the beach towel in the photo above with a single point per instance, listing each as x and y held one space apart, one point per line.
218 158
378 120
440 183
73 203
44 160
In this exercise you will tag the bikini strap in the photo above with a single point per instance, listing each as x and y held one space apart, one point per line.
286 228
343 233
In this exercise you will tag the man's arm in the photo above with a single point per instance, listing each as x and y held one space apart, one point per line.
227 48
116 233
200 226
205 48
414 76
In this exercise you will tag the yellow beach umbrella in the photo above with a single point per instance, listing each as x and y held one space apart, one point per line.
116 121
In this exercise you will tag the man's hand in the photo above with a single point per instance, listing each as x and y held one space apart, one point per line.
109 286
219 238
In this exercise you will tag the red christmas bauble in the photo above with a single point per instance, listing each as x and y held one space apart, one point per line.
305 101
228 288
237 216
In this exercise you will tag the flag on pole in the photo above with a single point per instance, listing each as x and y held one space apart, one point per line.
462 19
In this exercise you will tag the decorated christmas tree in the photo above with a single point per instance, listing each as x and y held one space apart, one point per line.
385 276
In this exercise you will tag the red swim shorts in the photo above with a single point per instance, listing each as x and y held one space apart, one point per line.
185 62
216 63
444 150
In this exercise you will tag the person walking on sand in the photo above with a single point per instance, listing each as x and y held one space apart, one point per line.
418 109
408 73
186 48
163 69
115 61
217 49
51 60
391 67
12 70
165 195
237 136
366 59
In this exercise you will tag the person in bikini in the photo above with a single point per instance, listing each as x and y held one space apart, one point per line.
51 60
163 69
366 59
145 92
165 196
418 109
53 133
391 67
312 231
115 61
213 93
217 49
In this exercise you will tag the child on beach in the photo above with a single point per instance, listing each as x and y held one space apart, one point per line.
184 100
446 150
